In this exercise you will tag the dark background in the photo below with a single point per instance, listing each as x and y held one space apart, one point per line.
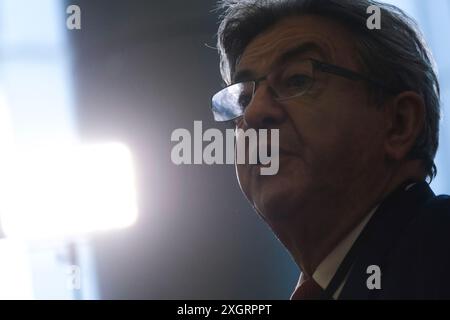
141 70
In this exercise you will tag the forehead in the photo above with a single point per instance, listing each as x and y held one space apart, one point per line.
310 35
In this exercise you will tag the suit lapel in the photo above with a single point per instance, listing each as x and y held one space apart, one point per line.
378 237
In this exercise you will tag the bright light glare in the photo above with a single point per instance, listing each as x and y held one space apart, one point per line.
6 130
15 271
65 191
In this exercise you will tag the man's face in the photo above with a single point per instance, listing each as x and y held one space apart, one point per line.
330 138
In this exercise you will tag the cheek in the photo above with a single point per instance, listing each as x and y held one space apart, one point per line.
337 135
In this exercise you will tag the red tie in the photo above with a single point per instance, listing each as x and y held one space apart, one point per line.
308 290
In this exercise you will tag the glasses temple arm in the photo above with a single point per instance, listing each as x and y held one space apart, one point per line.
328 68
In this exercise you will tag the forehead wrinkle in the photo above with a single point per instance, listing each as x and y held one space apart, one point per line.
263 54
335 39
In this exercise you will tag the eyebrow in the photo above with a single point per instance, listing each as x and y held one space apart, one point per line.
247 74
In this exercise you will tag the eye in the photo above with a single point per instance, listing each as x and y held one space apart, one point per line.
297 81
244 100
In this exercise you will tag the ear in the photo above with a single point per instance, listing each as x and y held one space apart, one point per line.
405 116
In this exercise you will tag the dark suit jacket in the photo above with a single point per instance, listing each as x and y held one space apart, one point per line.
408 237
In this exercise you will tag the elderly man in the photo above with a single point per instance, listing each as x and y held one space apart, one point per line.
358 114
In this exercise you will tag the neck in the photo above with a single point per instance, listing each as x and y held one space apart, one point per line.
332 220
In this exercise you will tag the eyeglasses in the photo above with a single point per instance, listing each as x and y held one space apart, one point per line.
291 82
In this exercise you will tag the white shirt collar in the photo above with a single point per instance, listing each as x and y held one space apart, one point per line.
326 270
328 267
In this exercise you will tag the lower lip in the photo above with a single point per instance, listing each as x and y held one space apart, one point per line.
282 157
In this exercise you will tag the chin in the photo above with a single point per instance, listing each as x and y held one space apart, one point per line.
276 197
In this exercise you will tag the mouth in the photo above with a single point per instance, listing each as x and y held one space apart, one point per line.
268 155
274 160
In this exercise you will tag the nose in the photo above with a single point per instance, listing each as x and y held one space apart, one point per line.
263 111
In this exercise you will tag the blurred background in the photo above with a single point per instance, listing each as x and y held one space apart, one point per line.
136 71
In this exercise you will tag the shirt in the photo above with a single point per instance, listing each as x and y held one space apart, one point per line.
326 270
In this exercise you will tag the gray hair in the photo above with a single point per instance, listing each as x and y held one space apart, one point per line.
396 53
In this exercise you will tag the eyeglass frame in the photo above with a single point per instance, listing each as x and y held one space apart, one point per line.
322 67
